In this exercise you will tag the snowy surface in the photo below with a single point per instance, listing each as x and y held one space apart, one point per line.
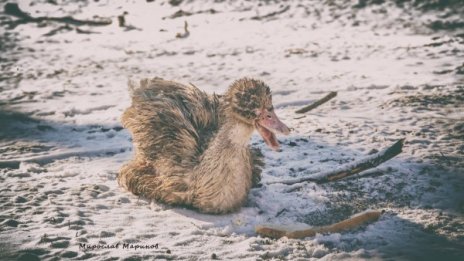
62 93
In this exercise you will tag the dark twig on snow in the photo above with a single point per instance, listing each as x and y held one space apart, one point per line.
281 212
181 13
121 21
281 11
318 103
351 169
186 32
80 31
59 29
14 10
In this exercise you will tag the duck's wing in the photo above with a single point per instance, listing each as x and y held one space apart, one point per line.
171 123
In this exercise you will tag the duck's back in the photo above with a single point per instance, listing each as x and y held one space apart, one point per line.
171 123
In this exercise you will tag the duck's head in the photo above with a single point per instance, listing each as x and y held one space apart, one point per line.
250 102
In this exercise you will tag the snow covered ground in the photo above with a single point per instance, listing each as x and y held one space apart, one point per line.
399 73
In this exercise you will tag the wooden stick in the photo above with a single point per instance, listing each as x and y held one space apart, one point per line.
317 103
14 10
347 224
281 11
351 169
186 31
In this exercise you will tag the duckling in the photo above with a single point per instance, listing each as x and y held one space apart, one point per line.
192 148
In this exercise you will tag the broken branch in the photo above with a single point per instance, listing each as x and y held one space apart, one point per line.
186 31
281 11
311 106
351 169
347 224
14 10
182 13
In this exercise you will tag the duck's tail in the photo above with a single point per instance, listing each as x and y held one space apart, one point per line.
132 177
142 180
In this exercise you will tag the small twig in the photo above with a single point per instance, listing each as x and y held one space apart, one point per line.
182 13
80 31
281 212
347 224
77 22
179 13
14 10
186 32
281 11
352 168
121 21
317 103
65 27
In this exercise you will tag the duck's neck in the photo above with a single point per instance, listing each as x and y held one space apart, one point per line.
235 133
223 177
231 140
